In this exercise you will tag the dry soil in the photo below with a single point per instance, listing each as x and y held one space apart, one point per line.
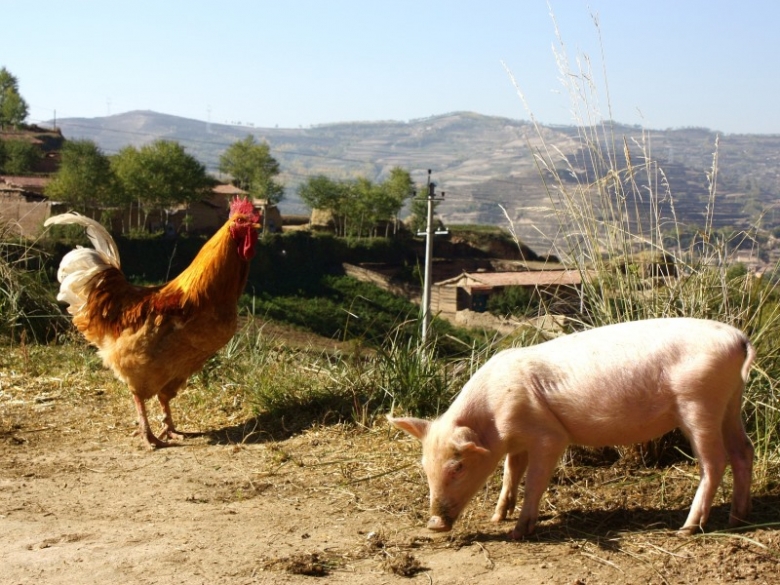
82 501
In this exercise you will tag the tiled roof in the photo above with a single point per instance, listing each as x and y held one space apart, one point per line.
524 278
36 184
228 190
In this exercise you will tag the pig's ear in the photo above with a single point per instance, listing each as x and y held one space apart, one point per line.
467 442
473 449
416 427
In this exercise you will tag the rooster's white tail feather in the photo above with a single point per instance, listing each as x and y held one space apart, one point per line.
97 234
81 264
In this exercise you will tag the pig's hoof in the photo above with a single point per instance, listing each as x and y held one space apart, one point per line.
687 531
498 517
517 535
521 533
438 524
736 522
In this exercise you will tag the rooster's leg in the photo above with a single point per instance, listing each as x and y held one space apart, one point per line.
143 422
169 431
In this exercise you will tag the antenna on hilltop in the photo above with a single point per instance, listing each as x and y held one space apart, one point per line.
208 119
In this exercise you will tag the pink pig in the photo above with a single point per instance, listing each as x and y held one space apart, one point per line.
614 385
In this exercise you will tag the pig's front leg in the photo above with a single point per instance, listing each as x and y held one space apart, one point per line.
514 468
541 465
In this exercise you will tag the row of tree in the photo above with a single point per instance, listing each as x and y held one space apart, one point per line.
160 176
360 207
156 177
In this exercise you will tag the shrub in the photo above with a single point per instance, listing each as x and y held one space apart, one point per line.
513 301
28 309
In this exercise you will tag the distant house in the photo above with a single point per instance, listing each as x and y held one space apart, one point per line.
204 216
47 141
23 207
272 218
471 291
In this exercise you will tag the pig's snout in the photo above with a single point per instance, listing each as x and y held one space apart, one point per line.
439 524
442 517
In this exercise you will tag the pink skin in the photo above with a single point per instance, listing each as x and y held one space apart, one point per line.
614 385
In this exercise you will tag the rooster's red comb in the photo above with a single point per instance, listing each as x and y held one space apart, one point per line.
243 206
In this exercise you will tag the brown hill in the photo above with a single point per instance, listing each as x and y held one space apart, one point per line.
486 164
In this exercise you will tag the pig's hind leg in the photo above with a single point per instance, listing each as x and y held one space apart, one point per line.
514 468
708 445
740 452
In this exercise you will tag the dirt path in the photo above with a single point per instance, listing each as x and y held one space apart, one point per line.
83 502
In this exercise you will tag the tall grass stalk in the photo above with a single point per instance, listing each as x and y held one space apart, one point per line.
28 309
618 225
288 385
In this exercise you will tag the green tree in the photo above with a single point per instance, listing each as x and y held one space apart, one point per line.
126 165
397 188
84 178
13 108
359 205
321 192
361 210
159 176
419 213
18 157
253 169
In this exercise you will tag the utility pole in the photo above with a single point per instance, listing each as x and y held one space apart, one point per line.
429 233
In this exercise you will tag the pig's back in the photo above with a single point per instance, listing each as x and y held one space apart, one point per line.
624 383
670 339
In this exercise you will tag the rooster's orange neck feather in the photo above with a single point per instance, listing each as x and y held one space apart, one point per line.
216 275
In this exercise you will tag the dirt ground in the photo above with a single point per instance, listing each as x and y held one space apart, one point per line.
82 501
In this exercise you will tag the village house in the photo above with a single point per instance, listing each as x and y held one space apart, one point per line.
471 290
24 208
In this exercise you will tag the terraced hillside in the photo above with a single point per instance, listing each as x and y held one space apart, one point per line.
486 163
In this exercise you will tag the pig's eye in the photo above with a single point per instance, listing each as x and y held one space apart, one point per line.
454 468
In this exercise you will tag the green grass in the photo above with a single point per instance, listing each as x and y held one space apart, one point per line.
28 308
618 227
343 308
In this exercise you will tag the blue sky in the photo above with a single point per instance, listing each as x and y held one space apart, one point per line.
296 63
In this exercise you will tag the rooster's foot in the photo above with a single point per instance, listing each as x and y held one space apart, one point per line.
172 433
152 441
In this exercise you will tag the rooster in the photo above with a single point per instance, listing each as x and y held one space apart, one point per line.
153 338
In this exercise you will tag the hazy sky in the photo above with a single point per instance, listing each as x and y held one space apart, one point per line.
291 63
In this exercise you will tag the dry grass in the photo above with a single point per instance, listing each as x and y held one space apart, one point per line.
616 520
